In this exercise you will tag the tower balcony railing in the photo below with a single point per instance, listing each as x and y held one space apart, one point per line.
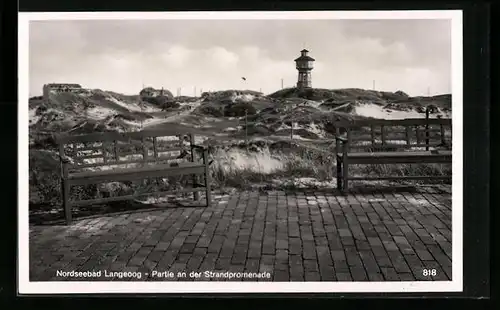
304 65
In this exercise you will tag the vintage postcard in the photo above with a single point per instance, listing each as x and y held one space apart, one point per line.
221 152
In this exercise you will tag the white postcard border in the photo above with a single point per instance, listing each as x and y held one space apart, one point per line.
25 286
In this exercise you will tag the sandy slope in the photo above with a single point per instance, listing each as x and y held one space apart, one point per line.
104 107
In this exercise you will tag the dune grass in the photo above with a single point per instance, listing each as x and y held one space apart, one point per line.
316 165
267 167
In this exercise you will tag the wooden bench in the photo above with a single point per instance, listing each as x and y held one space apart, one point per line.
374 142
121 157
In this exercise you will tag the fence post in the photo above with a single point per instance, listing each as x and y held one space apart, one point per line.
441 127
141 104
196 195
291 131
427 128
246 129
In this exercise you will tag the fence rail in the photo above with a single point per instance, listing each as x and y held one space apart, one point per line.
358 123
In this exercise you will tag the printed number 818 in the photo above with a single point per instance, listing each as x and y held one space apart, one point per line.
429 272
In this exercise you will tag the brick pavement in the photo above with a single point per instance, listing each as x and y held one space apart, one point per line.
301 236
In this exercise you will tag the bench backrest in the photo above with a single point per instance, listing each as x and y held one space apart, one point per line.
387 135
115 150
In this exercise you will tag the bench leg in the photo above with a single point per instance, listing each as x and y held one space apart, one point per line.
196 195
208 189
65 201
345 176
339 173
207 178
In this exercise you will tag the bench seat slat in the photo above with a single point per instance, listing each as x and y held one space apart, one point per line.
398 157
397 154
90 148
89 177
89 156
90 202
124 162
405 177
392 146
392 123
128 137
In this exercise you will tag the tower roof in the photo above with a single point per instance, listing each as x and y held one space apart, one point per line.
304 50
304 58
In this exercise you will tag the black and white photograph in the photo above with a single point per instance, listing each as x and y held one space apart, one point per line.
192 152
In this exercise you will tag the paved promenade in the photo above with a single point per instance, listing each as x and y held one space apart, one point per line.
302 236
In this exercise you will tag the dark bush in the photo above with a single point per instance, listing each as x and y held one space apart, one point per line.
270 110
151 92
40 110
258 130
171 105
238 109
44 177
397 96
433 109
270 119
128 117
211 110
401 94
158 101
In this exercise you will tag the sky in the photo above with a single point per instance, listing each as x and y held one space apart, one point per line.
206 55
